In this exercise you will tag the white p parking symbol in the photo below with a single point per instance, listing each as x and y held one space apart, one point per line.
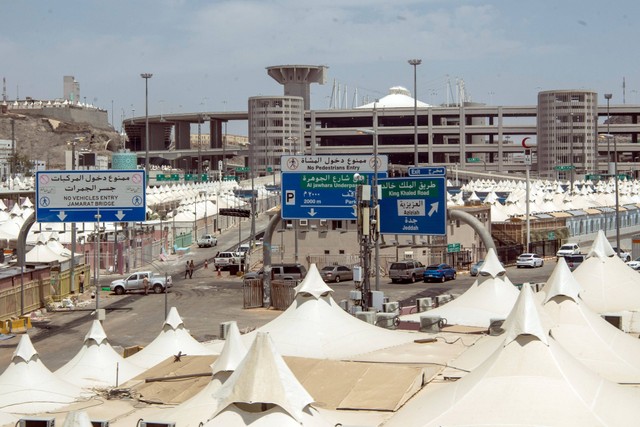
290 197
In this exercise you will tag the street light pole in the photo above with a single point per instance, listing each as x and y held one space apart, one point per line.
199 150
608 97
415 63
146 77
571 162
615 172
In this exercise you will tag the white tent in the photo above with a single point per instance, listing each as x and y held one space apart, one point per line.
529 380
264 392
481 303
589 338
201 407
28 387
41 253
315 326
174 339
97 364
609 285
602 347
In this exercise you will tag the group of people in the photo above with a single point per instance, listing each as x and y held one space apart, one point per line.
188 270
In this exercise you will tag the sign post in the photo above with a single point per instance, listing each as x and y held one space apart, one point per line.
79 196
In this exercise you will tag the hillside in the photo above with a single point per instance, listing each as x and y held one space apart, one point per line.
46 139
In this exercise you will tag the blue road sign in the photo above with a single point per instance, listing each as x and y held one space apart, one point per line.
413 206
80 196
428 171
324 187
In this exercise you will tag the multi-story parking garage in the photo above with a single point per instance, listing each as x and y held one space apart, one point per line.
466 136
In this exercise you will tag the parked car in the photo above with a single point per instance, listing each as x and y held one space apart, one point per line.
244 248
635 264
573 261
207 240
225 259
475 268
408 270
280 272
134 282
568 249
529 260
336 273
439 272
624 255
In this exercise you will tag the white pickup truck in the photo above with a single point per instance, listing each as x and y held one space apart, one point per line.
134 282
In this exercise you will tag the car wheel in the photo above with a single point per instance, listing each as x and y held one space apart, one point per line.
157 289
394 281
337 279
425 280
119 290
542 264
443 279
454 276
519 266
413 278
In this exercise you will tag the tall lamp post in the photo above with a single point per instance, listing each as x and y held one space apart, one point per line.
615 177
608 97
415 63
146 77
571 162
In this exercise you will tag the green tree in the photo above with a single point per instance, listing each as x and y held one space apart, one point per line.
21 164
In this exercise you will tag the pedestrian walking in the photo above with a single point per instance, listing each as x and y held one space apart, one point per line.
191 268
81 282
145 284
186 270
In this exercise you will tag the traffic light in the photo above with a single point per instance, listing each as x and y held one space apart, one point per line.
243 213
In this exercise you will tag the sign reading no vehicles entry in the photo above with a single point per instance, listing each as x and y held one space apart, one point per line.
80 196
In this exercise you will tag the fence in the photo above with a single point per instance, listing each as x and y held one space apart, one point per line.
36 291
282 293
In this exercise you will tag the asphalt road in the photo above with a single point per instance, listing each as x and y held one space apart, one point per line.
203 302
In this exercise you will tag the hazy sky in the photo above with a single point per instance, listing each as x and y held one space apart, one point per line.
212 55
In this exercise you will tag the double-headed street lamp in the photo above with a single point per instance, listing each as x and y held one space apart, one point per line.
146 77
415 63
608 97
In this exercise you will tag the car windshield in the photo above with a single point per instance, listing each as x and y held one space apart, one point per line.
569 247
328 268
434 267
398 266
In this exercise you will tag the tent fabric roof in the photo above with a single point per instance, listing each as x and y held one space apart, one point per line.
524 382
97 364
264 378
491 266
478 306
173 339
609 285
311 285
317 327
28 387
398 97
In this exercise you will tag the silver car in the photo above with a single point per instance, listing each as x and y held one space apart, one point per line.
336 273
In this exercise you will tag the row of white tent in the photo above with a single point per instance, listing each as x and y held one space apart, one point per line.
557 362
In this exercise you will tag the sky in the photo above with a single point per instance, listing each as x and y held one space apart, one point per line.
212 55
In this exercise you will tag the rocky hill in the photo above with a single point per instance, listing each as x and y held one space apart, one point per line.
46 139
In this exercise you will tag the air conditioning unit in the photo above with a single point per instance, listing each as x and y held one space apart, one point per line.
443 299
156 424
344 304
323 222
224 329
431 323
367 316
424 304
99 423
355 295
391 307
386 320
495 327
36 422
303 222
289 226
